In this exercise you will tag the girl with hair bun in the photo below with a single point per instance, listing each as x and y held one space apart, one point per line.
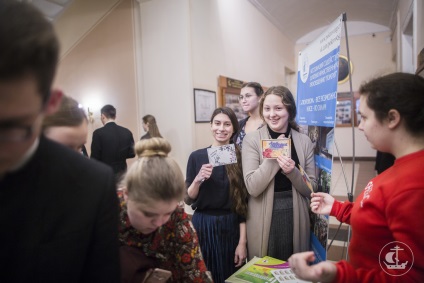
152 219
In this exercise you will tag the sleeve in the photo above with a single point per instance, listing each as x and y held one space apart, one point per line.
102 264
404 214
131 152
190 175
296 176
257 176
96 151
188 264
342 211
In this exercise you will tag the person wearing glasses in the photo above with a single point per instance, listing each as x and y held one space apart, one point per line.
250 97
59 210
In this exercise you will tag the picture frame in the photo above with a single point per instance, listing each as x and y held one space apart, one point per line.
346 110
204 105
232 101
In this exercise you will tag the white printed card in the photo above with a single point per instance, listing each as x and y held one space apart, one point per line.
222 155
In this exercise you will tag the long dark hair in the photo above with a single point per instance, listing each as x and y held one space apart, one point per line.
153 127
238 190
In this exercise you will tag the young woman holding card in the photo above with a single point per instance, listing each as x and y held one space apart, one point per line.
278 223
219 197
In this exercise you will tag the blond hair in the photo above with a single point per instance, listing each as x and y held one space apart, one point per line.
154 176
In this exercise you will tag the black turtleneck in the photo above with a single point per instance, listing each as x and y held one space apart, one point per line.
281 182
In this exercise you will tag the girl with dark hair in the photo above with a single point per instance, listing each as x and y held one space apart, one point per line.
250 97
386 218
279 222
219 197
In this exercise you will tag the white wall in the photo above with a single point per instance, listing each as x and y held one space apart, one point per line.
233 39
187 44
419 25
78 19
166 76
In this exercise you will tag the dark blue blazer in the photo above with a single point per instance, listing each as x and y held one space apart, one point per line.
59 219
113 144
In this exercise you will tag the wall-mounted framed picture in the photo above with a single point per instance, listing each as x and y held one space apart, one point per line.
346 110
204 105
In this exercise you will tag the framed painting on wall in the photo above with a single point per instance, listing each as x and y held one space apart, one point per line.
232 101
204 105
345 110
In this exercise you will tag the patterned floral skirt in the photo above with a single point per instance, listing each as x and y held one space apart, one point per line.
218 238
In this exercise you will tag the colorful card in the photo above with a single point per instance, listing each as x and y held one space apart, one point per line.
305 178
271 148
222 155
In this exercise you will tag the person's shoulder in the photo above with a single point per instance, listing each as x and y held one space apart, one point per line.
59 156
255 135
179 220
243 121
199 152
123 129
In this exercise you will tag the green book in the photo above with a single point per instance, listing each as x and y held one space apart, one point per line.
258 270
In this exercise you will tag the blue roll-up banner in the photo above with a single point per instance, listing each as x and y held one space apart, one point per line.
317 77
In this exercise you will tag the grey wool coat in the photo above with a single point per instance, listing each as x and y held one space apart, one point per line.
259 176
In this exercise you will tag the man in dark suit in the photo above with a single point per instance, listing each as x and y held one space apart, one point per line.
112 144
58 210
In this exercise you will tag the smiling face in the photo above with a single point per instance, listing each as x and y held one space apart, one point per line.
222 129
147 218
248 99
376 132
275 113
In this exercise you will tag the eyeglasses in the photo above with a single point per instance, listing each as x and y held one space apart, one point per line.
247 96
11 132
15 133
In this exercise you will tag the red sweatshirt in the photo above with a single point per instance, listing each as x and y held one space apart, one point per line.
391 208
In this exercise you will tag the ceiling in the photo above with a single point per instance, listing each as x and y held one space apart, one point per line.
303 20
299 20
50 8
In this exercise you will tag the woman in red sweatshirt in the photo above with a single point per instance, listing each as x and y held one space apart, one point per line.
387 217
